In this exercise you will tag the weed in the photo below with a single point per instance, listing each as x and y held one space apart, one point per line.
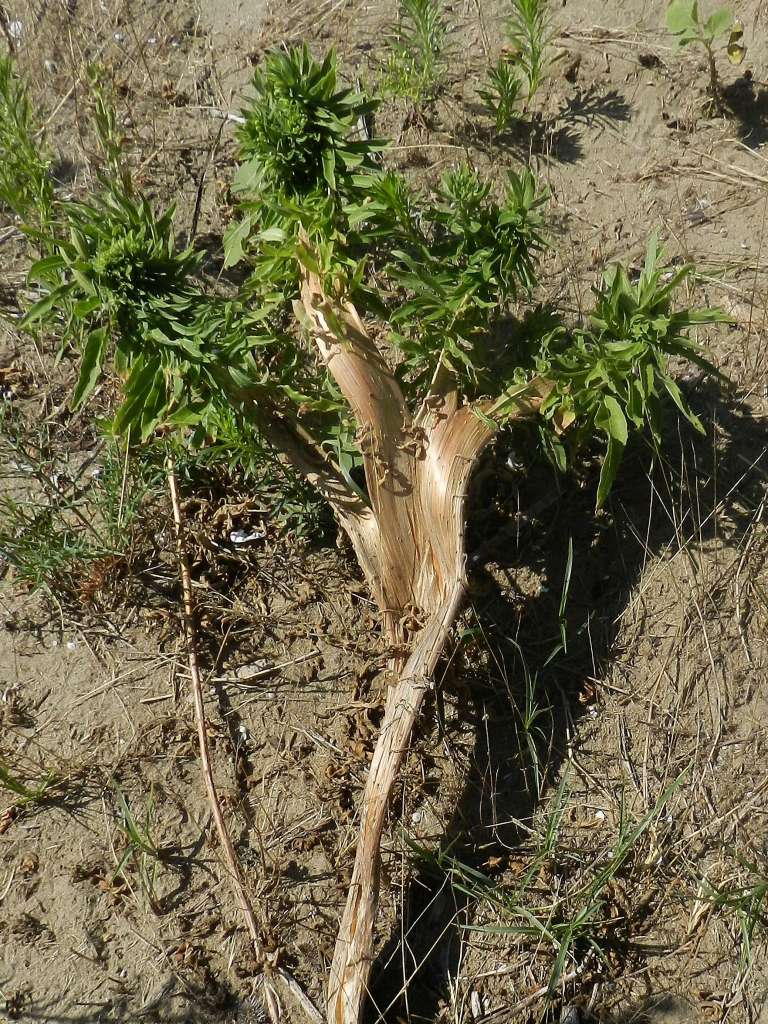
108 134
533 708
529 31
501 94
23 792
62 529
748 901
388 425
685 22
141 849
26 186
417 63
571 921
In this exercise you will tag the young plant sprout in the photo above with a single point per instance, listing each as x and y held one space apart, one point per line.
501 92
529 31
685 22
417 61
370 344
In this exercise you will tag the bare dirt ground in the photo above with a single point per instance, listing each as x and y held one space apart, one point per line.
663 682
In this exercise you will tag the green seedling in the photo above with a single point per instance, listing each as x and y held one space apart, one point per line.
501 93
371 346
22 791
417 63
687 25
530 33
571 921
26 185
141 851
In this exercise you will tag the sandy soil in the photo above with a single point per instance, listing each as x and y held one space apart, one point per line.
665 674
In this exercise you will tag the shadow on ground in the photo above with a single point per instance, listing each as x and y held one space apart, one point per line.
558 138
748 103
500 792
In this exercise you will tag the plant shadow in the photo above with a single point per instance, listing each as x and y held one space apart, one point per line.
557 138
176 1001
495 812
748 102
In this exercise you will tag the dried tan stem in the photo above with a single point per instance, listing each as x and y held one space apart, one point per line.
418 472
384 435
351 965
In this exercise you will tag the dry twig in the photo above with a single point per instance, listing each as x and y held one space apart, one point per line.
235 872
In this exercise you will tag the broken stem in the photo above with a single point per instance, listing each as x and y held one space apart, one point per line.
348 986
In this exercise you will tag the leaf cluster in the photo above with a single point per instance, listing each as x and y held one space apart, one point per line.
501 92
26 185
453 261
450 273
298 132
418 59
612 373
685 22
529 31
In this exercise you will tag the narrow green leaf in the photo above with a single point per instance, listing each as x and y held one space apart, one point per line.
86 306
237 232
612 420
44 306
90 366
329 168
273 234
45 270
680 401
613 456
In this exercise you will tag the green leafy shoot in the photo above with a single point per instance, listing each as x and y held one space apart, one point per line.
529 31
450 274
26 185
501 93
616 372
297 137
417 62
687 25
108 133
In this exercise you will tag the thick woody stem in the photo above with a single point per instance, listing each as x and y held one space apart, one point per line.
418 472
348 985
